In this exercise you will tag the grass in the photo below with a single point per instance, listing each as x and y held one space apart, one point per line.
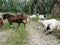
19 34
5 25
36 19
50 17
17 37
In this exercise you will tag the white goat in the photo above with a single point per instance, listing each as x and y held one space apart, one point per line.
53 24
41 16
47 22
32 16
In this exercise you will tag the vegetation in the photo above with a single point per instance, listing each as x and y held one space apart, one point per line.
26 7
18 36
41 6
29 7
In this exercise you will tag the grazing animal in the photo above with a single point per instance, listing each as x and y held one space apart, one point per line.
24 18
49 24
41 16
1 22
54 26
32 16
17 19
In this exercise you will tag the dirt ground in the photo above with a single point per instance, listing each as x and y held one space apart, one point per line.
36 35
4 35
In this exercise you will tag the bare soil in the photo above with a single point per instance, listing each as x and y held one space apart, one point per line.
36 35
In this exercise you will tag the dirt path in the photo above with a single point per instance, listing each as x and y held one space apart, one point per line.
37 37
4 35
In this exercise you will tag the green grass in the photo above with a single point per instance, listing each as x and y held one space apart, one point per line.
35 19
17 37
19 34
5 25
50 17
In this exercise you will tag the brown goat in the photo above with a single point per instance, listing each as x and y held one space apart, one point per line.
18 19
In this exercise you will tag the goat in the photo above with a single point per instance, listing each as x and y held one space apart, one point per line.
32 16
41 16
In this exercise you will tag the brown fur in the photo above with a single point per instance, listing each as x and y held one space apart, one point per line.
18 18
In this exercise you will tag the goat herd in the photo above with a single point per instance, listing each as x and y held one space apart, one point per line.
49 25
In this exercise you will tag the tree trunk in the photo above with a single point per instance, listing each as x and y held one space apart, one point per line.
56 10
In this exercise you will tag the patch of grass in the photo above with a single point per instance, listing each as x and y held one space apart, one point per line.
5 25
49 16
17 37
58 19
36 19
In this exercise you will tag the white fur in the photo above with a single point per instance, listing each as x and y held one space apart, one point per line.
41 16
52 23
33 16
